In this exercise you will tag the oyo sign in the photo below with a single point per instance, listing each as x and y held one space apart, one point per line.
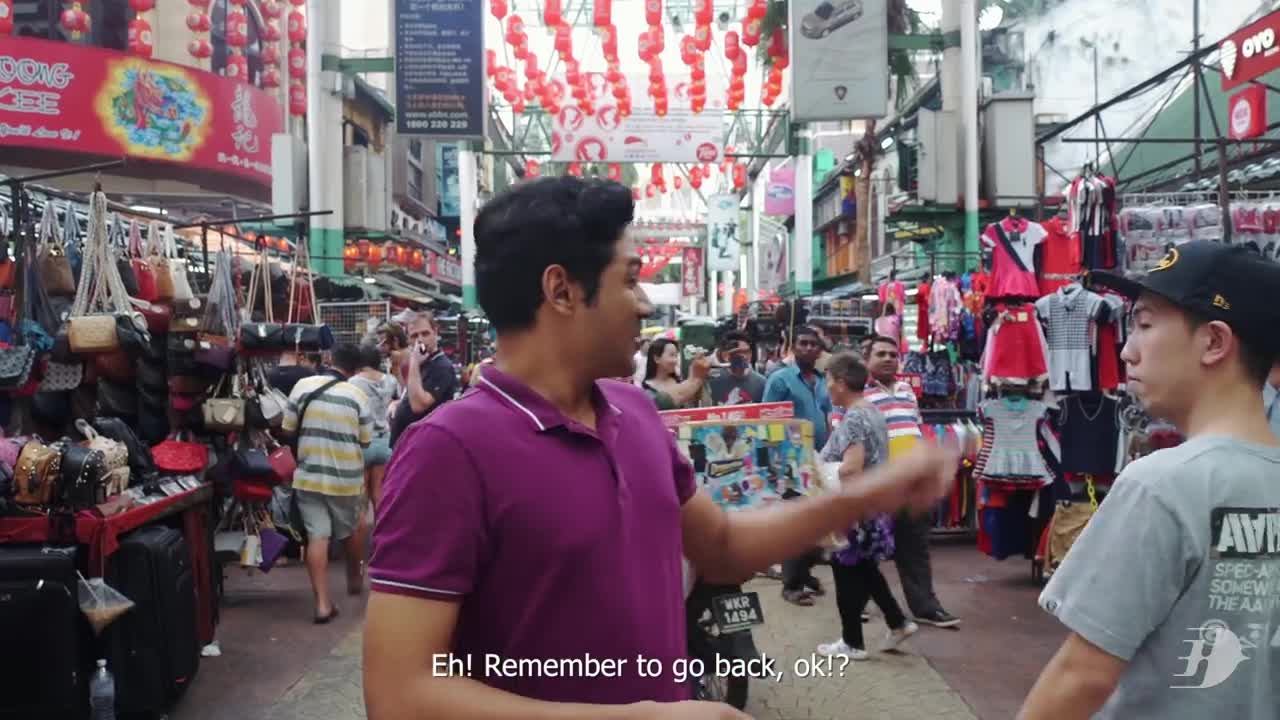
1247 113
1250 52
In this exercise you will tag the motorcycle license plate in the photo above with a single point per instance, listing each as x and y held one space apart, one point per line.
737 611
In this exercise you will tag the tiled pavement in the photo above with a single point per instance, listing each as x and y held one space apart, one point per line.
965 674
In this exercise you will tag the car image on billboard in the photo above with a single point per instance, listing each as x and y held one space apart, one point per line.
829 16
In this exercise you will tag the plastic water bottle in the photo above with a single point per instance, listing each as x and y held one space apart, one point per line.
102 693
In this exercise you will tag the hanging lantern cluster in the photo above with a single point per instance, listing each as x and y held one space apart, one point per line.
140 40
364 254
734 53
6 17
199 23
650 46
695 177
657 181
297 59
615 172
693 51
75 21
237 36
271 37
781 59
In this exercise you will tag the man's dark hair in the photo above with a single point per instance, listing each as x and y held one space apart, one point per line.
730 340
347 358
807 330
370 356
315 359
1256 361
563 221
849 368
876 339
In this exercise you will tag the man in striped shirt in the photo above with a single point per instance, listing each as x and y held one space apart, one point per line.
332 420
897 402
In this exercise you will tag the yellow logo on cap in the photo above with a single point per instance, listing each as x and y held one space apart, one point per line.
1167 261
1221 303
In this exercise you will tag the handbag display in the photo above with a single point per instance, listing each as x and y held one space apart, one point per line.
35 476
140 461
101 294
144 277
53 268
118 366
262 338
158 316
308 338
152 377
117 400
177 267
282 462
116 454
180 457
215 352
60 377
159 263
16 364
222 414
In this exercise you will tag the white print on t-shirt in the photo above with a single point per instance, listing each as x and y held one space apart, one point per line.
1215 648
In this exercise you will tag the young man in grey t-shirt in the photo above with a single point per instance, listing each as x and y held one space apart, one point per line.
734 382
1171 592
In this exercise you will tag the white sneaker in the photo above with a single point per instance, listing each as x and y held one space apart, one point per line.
895 638
840 648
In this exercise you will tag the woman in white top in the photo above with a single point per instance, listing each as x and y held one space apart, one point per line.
381 389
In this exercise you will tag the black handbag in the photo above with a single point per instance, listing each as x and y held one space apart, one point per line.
131 332
140 462
82 473
117 400
262 337
308 338
253 461
130 281
152 376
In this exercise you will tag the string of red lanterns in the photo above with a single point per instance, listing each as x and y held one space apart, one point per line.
140 40
373 256
297 31
271 36
199 23
75 21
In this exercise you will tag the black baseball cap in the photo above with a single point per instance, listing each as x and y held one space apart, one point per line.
1230 283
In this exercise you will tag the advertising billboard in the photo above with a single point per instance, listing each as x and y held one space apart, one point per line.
839 59
440 68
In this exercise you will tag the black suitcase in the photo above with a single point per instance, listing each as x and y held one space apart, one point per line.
153 649
44 666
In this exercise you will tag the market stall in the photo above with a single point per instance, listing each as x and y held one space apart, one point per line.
136 416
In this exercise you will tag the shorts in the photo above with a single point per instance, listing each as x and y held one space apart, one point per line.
328 516
379 451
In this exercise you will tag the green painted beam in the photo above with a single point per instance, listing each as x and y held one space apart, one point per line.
930 41
355 66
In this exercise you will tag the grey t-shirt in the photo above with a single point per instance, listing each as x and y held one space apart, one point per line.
1179 575
729 389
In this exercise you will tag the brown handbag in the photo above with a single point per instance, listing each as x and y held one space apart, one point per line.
55 272
159 263
118 366
35 477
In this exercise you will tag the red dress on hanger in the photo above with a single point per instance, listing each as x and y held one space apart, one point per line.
1012 243
1060 261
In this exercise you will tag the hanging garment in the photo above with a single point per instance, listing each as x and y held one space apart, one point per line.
1067 316
938 375
1012 243
893 291
1060 257
945 304
922 312
1088 430
1016 351
1015 451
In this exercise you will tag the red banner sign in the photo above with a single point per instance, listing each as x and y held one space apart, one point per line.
62 96
691 275
446 268
1247 113
1250 52
757 411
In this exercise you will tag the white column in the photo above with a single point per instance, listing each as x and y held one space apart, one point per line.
324 138
713 284
970 59
468 188
751 278
802 241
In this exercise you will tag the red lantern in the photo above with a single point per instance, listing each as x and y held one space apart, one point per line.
270 55
678 182
602 12
75 20
751 32
419 260
297 99
703 11
731 48
777 44
297 63
271 78
200 3
282 244
271 10
635 194
199 48
297 26
702 37
490 62
237 67
375 256
362 249
609 41
739 176
393 254
657 43
574 169
237 29
782 61
350 257
757 10
270 33
695 181
650 191
532 168
551 14
564 41
6 17
140 40
615 172
498 8
297 3
644 47
653 12
141 6
198 22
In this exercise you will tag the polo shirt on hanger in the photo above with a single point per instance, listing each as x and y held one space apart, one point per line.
1066 316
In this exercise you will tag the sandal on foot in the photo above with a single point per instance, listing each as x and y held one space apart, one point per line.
324 619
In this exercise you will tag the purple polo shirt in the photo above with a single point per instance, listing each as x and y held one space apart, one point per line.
558 542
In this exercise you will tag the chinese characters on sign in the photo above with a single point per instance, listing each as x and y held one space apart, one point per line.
691 272
440 68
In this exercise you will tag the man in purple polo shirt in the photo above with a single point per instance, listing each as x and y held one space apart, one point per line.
528 544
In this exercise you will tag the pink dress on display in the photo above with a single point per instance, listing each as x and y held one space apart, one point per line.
1012 243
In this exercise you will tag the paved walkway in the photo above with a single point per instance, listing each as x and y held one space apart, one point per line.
277 666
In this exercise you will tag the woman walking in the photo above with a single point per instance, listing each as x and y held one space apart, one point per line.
381 389
859 443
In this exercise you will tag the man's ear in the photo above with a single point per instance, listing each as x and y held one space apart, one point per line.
559 292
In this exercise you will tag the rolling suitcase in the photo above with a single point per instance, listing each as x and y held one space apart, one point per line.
153 649
44 664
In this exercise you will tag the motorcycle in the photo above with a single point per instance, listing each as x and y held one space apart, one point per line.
719 620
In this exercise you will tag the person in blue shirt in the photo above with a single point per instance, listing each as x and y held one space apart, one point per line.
803 386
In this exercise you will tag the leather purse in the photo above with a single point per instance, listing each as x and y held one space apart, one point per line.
139 454
118 366
16 364
55 271
249 490
131 333
184 325
163 275
308 338
93 334
282 463
187 384
81 477
254 462
60 377
181 457
35 477
127 277
158 316
115 454
215 352
262 337
223 414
